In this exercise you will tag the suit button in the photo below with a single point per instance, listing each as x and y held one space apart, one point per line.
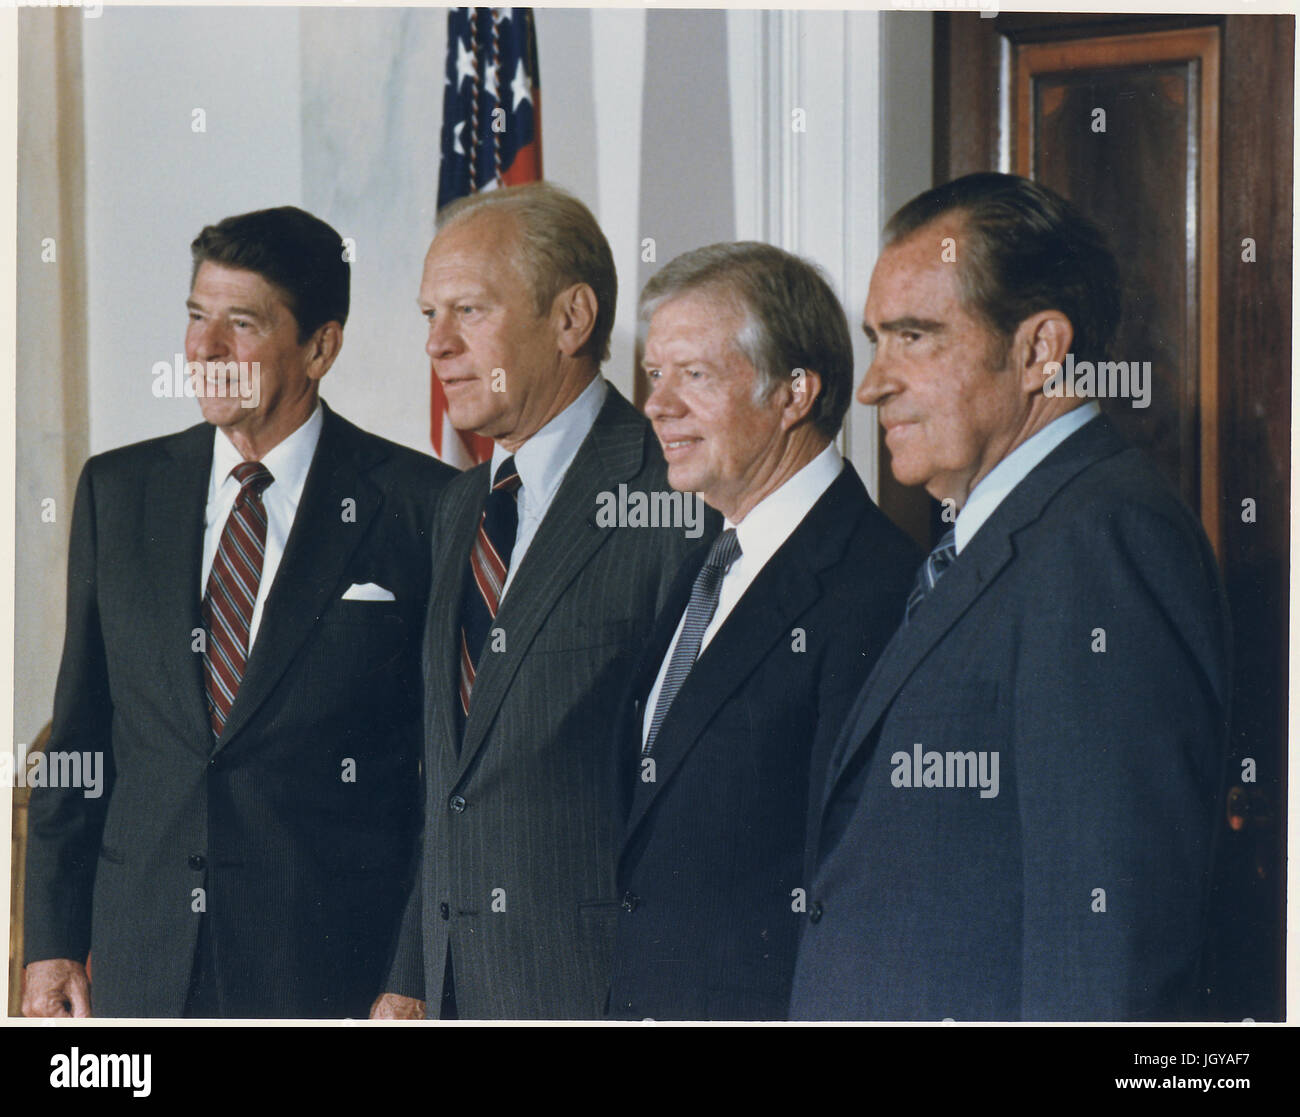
630 901
197 861
456 803
444 911
815 912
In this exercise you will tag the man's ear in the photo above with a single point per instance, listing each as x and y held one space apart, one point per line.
323 347
574 313
1042 340
799 394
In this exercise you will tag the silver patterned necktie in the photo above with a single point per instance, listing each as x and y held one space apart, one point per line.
703 604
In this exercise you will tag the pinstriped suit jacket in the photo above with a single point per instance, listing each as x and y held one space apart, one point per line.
517 872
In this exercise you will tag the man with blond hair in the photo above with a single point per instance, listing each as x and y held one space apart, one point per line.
539 604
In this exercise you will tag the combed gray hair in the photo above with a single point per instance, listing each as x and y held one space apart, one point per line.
560 244
792 319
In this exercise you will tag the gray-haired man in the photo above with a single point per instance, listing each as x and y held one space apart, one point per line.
767 635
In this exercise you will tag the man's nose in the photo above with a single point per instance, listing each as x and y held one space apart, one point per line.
663 402
209 340
444 339
877 382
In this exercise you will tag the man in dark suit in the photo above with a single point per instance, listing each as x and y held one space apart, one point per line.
1018 818
245 600
542 595
767 636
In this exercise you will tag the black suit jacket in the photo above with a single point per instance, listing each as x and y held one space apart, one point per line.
517 873
296 826
711 865
1080 639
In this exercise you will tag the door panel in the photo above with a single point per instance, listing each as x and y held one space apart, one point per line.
1192 180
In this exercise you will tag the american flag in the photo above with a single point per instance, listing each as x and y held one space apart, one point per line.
491 136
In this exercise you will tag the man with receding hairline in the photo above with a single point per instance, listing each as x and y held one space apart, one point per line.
538 608
1018 819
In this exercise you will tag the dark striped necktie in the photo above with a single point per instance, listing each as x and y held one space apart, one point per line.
489 563
232 591
699 612
936 562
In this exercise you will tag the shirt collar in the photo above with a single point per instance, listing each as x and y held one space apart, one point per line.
1014 468
288 460
543 460
773 519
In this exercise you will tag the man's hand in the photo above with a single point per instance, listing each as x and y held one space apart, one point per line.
56 987
393 1006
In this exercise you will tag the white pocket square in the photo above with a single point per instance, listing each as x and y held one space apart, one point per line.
368 592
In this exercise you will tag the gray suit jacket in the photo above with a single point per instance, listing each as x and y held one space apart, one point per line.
517 873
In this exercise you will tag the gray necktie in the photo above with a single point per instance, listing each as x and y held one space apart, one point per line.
703 604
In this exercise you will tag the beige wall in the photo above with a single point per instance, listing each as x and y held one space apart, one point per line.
51 400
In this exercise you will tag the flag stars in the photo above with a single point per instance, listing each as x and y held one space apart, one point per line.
522 86
464 63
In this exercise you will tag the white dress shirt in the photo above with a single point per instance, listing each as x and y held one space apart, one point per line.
543 461
760 534
288 462
1014 468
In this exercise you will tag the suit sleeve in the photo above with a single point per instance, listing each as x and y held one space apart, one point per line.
64 824
406 974
843 672
1119 736
406 971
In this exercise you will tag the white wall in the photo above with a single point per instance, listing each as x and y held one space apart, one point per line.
831 131
371 115
152 181
671 124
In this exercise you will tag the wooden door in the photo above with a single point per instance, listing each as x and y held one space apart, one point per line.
1174 134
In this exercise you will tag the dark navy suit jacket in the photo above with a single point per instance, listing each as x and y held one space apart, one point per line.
711 861
1079 891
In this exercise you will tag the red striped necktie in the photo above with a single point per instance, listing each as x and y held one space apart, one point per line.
232 591
489 562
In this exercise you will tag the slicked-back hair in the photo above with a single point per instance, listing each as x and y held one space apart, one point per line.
1025 249
792 319
559 244
292 250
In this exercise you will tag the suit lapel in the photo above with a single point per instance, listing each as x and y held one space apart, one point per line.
631 710
975 569
176 496
464 509
787 586
956 591
761 618
316 553
679 596
565 542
